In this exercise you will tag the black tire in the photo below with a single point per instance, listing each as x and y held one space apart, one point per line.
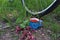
50 9
55 5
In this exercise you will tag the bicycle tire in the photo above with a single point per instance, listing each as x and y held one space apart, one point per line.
49 9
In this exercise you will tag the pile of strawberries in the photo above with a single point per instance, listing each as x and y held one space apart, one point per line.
26 33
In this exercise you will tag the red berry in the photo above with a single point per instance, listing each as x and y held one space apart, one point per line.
17 31
29 33
33 31
25 32
28 28
18 28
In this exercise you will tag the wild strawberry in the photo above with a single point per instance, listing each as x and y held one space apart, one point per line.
24 34
32 30
29 33
18 29
30 37
23 37
28 28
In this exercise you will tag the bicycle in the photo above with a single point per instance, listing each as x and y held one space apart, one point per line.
36 10
41 10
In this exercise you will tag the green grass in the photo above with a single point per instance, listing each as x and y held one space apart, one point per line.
49 20
52 24
17 11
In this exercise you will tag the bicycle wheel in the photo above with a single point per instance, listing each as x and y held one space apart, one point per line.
38 6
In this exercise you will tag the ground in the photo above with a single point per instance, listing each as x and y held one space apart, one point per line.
8 34
50 31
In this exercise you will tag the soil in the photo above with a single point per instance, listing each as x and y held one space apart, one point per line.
8 34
